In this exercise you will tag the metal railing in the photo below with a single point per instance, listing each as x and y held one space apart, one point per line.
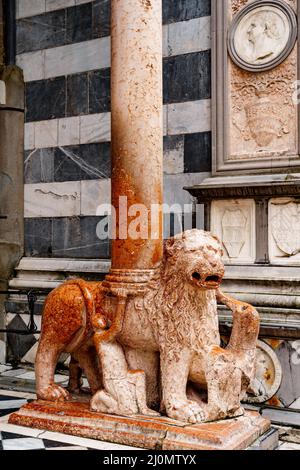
31 295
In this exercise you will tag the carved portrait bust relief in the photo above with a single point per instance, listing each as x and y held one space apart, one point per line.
262 35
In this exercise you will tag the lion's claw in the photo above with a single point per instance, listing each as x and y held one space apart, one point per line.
53 393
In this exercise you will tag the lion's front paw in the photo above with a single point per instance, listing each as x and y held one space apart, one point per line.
148 412
53 393
237 412
187 411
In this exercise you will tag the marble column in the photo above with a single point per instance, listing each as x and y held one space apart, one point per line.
137 132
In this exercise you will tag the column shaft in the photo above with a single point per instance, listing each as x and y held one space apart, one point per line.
137 128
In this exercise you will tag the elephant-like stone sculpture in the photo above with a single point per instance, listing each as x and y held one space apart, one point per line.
159 350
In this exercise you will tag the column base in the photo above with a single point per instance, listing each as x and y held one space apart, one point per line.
159 433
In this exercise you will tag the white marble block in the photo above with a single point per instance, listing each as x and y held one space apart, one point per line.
95 128
2 92
95 193
188 36
233 221
189 117
68 131
27 8
58 4
52 199
46 134
32 64
76 58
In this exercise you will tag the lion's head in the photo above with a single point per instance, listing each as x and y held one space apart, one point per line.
181 301
196 257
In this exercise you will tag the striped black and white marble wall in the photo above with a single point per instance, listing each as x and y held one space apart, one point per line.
63 46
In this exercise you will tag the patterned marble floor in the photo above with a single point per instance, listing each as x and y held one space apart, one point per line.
20 438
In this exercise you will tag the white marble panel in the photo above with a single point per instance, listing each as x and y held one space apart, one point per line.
95 128
93 194
188 36
68 131
79 57
46 134
27 8
58 4
233 221
189 117
24 443
2 92
52 199
29 142
32 64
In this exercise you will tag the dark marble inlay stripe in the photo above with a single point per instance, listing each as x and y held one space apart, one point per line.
183 10
65 237
77 94
90 21
187 77
197 152
70 163
41 32
45 99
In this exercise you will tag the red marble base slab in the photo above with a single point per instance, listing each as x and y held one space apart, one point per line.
160 433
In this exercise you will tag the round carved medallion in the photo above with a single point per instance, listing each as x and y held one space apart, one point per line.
268 375
262 35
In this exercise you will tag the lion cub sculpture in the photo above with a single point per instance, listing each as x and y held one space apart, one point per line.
166 355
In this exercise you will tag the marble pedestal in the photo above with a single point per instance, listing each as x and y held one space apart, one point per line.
160 433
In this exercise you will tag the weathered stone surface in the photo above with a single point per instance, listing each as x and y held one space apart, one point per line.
289 435
140 431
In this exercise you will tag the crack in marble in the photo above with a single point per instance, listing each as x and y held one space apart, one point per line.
84 166
57 196
29 157
76 248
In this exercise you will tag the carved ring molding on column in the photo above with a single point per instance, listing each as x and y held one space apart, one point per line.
262 35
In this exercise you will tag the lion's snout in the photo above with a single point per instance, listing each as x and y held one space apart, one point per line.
205 280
